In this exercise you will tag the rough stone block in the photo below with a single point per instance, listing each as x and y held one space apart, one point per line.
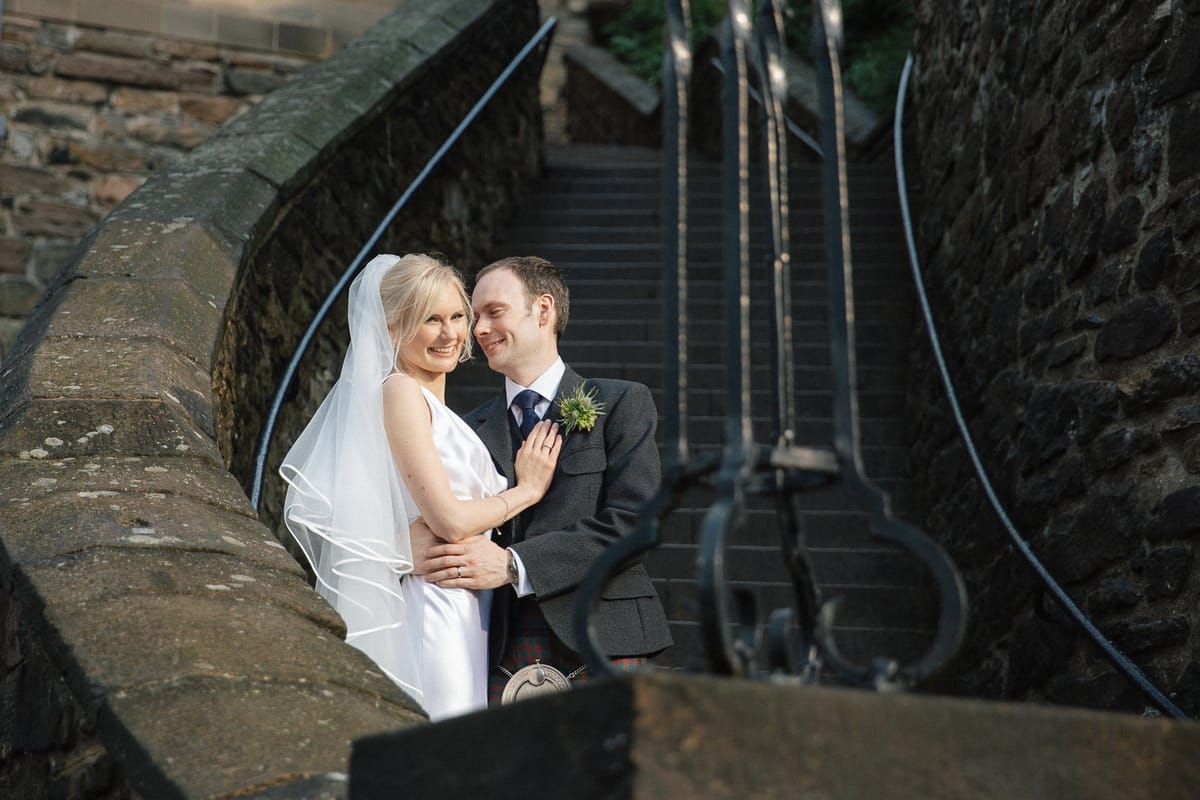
13 250
656 736
126 98
118 503
154 249
53 219
209 109
18 296
284 160
125 427
238 202
141 571
319 126
170 310
32 180
221 629
175 737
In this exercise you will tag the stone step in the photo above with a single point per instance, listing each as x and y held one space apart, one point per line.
599 222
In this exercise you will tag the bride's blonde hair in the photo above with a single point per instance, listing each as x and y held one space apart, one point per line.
411 289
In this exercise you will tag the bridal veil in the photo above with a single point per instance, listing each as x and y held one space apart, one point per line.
346 506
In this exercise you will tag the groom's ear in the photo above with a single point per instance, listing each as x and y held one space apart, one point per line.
545 310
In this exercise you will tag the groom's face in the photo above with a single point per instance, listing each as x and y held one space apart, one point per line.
506 325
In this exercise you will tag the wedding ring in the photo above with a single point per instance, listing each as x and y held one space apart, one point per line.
459 571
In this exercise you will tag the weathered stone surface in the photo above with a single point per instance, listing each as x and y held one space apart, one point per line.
1179 514
185 727
1106 523
13 251
112 189
31 180
1059 414
115 43
151 249
129 99
1182 161
17 296
1114 448
240 82
1113 594
690 736
184 631
175 574
85 507
1174 377
107 157
1156 260
1165 570
1139 635
133 72
1135 328
213 109
53 219
168 309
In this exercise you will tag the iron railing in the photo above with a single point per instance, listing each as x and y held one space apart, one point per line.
368 249
799 640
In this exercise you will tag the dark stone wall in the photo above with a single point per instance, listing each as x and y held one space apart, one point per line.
456 213
1057 168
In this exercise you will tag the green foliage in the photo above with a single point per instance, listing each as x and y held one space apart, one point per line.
878 36
636 37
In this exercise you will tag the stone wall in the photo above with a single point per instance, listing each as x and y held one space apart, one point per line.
1058 169
86 114
158 640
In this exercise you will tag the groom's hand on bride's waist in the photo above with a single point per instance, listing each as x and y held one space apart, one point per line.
474 563
424 540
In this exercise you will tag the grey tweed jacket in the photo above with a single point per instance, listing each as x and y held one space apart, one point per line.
603 478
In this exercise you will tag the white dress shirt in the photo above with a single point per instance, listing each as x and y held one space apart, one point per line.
546 385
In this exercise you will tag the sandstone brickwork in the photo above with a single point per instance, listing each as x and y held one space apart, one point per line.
1058 178
86 115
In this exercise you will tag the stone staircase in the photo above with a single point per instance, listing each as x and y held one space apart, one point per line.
595 214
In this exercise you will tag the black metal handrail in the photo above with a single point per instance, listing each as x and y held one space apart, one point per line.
289 375
728 613
1114 654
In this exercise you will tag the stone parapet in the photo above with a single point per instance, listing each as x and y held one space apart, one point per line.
675 735
158 640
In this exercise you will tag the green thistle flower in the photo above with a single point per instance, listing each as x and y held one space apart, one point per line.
579 410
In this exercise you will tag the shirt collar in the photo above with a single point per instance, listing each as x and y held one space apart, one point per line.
546 384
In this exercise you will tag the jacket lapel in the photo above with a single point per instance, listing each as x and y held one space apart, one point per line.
491 423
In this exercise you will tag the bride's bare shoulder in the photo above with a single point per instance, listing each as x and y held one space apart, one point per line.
399 387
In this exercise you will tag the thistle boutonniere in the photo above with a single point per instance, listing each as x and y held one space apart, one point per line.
579 410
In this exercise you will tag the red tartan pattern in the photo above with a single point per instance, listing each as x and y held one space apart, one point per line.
532 640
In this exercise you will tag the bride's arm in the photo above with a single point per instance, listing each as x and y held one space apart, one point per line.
406 420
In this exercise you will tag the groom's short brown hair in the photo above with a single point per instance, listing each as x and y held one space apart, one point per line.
539 277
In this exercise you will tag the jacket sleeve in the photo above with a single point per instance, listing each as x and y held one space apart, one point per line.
600 490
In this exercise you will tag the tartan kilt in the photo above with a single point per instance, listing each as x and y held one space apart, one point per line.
532 640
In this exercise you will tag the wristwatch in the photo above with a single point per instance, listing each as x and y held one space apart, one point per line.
514 576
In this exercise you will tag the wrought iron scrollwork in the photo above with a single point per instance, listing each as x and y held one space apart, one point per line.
800 640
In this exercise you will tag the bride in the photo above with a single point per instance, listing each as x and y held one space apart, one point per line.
382 450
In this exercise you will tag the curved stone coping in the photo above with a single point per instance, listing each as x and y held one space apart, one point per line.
186 633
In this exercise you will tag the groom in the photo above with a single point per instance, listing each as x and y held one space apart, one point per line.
604 476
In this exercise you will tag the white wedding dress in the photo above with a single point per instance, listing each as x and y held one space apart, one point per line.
454 641
349 513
